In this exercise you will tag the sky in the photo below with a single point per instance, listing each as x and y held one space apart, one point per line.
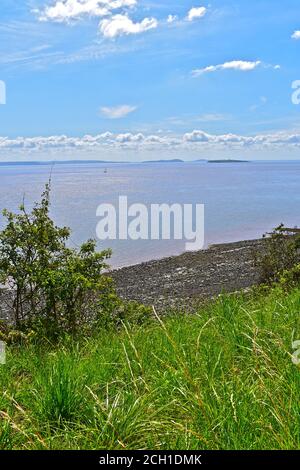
134 80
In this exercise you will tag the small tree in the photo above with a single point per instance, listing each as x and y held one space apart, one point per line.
50 282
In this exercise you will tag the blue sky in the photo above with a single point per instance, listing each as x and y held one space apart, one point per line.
137 79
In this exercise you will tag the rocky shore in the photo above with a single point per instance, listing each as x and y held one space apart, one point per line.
191 277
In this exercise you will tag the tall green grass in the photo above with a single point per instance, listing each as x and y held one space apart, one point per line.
220 379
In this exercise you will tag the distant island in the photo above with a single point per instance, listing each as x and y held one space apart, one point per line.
228 161
174 160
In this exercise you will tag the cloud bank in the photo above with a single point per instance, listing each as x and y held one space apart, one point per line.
196 139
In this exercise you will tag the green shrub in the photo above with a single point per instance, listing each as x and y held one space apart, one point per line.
53 286
112 312
280 253
290 278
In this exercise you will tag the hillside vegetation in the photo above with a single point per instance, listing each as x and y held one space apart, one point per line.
220 379
87 370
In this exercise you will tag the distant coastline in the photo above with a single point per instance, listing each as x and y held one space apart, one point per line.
91 162
110 162
58 162
143 162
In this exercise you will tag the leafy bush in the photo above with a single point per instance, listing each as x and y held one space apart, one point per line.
290 278
280 254
53 286
112 312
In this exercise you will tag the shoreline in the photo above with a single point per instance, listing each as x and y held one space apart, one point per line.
183 281
191 277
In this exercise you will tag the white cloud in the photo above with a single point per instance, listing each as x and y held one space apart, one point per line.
244 66
119 25
172 18
128 138
68 10
196 13
117 112
196 136
296 35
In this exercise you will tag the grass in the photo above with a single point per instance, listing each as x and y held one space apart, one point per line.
220 379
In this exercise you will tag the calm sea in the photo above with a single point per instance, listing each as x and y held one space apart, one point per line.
242 200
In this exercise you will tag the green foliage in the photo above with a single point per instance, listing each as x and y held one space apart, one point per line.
290 278
59 391
220 379
280 254
113 313
5 438
54 285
